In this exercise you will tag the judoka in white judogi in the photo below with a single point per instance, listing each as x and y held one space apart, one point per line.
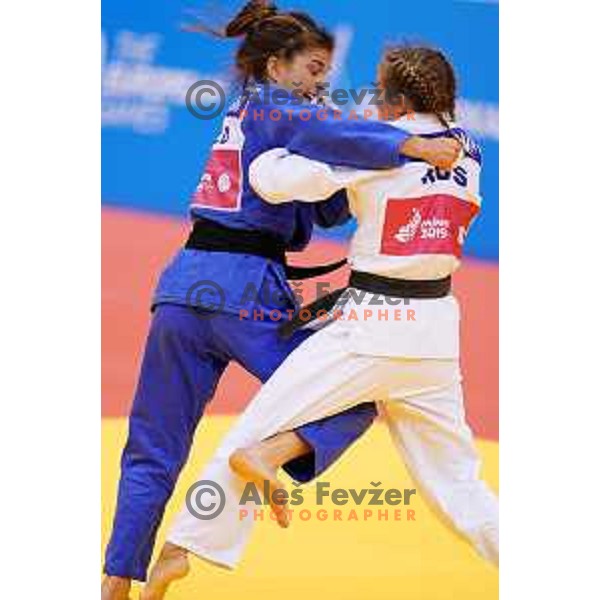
412 222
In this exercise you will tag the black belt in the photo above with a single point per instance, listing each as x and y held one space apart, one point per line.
400 288
213 237
374 284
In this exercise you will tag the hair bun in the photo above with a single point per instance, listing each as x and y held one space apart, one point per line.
249 17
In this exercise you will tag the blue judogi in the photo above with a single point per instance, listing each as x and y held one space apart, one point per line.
187 350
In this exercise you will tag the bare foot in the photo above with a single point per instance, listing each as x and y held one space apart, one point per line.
172 564
115 588
251 465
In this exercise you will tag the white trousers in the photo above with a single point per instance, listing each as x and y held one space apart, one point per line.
422 404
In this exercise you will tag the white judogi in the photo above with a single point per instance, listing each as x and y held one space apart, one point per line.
412 222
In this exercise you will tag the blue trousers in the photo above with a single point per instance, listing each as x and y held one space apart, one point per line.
184 359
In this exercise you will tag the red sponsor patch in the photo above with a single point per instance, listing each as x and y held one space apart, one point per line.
220 187
434 224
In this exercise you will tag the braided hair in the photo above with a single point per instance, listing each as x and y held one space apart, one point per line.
422 76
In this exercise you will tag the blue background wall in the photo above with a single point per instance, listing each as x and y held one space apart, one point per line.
153 149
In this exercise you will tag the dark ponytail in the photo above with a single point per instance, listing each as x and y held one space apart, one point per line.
249 17
268 32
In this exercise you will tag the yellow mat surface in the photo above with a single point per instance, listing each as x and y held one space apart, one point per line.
336 560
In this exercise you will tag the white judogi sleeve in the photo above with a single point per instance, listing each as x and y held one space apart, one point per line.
278 176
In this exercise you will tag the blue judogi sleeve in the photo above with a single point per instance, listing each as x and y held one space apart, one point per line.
332 212
334 138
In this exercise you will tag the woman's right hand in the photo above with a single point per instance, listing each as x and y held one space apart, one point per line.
439 152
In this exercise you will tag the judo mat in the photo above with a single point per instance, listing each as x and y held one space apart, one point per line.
359 557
